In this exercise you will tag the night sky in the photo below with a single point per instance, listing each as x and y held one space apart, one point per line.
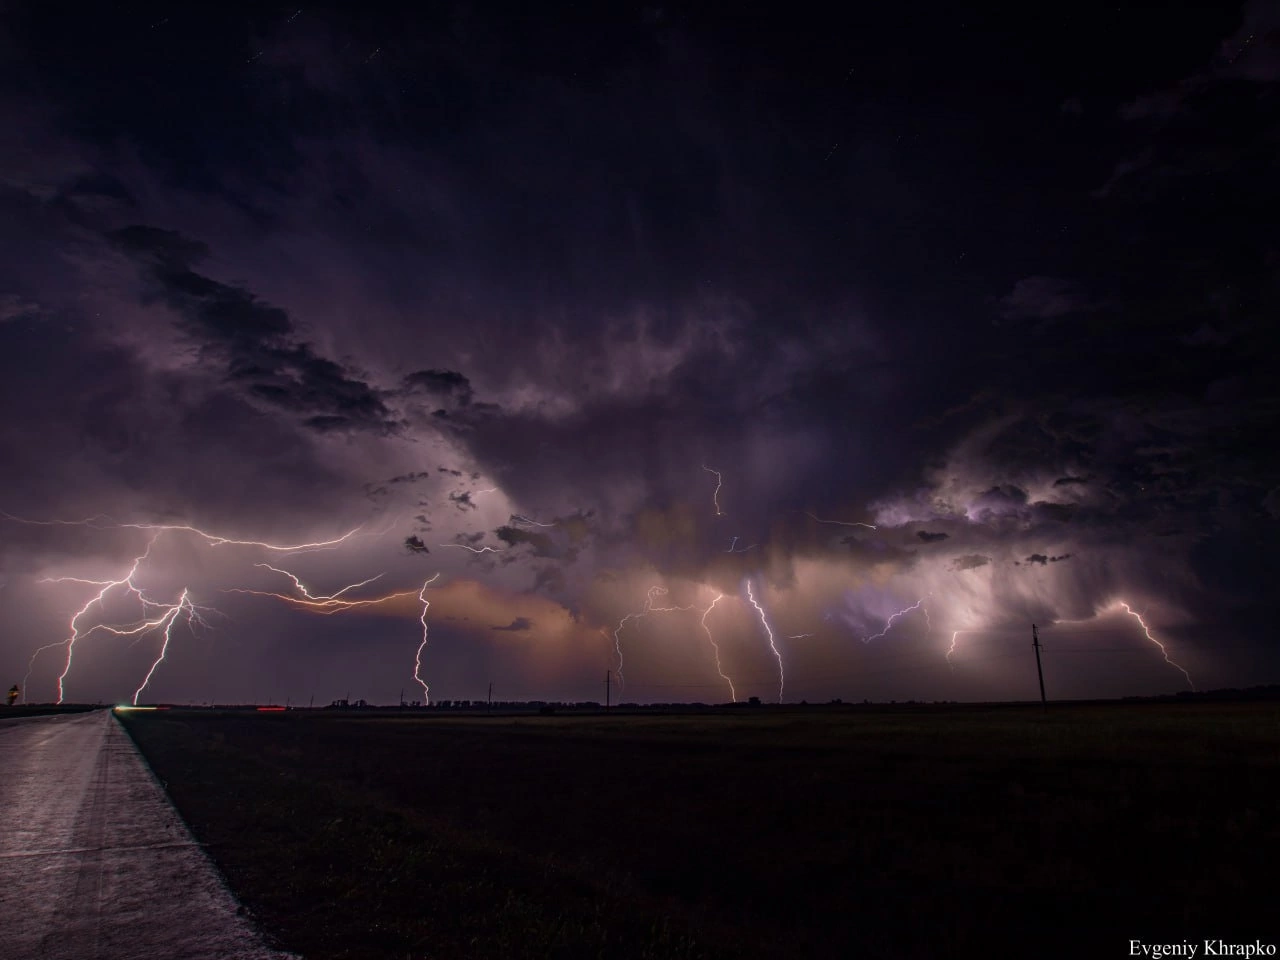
967 315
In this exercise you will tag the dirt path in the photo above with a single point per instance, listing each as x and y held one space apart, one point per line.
96 863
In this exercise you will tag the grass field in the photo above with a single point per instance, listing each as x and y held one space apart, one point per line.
933 832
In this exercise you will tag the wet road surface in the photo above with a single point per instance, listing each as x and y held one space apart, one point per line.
96 863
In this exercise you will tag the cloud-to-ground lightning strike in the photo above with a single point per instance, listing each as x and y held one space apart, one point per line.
952 649
170 617
70 642
772 646
733 694
417 657
839 523
1147 630
715 495
649 608
888 624
150 621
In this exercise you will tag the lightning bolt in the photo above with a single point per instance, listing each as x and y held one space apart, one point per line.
800 636
888 624
472 549
735 549
733 695
715 496
169 618
1147 630
650 596
517 518
213 539
772 646
417 657
138 629
301 587
74 625
324 604
839 523
952 649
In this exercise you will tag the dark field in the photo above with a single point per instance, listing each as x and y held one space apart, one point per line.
936 832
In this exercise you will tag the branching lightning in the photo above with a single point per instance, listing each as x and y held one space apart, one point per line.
653 593
213 539
306 593
150 620
326 604
772 646
169 618
1147 631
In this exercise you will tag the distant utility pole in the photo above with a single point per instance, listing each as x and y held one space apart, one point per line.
490 709
1035 642
608 686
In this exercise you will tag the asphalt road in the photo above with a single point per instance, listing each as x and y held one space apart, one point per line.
96 863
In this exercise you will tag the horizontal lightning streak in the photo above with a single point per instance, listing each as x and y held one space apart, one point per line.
839 523
517 518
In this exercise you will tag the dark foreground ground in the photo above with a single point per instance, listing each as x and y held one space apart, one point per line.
939 832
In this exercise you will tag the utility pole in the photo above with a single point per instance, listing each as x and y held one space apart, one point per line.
1035 642
608 684
490 709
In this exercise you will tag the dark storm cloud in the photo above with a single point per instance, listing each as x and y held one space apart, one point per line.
1043 298
543 545
519 623
607 263
440 383
257 342
463 500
